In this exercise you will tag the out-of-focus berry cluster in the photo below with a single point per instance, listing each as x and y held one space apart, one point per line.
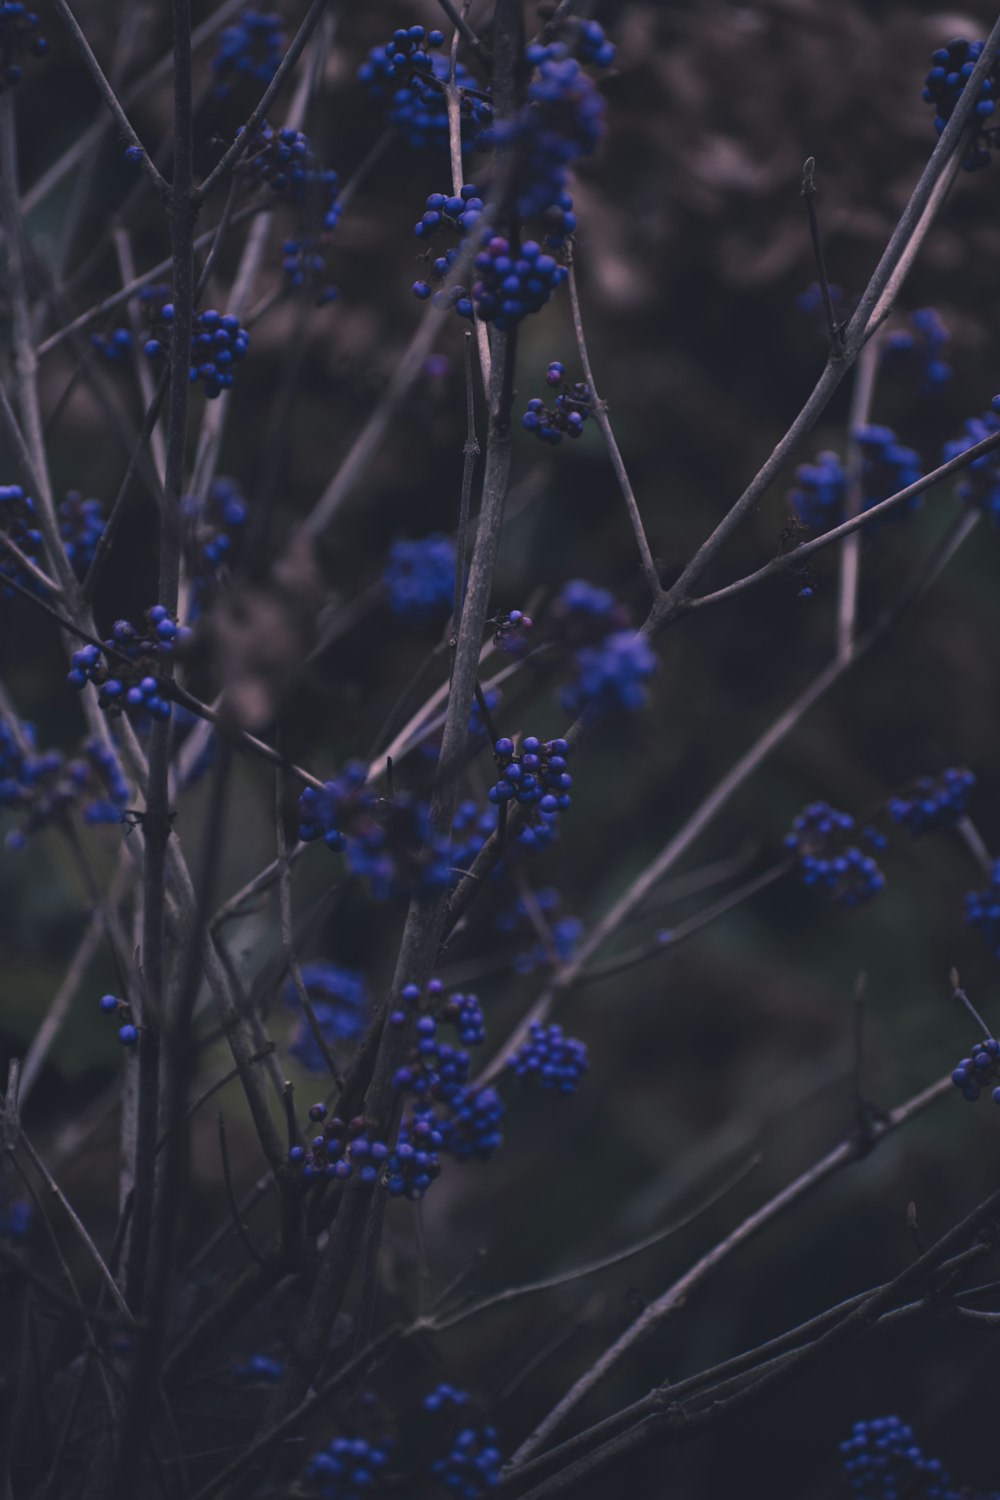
213 525
340 1004
611 676
41 787
882 1460
887 466
251 48
979 483
419 578
919 348
982 910
565 931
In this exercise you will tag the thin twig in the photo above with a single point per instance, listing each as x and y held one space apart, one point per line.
110 98
600 411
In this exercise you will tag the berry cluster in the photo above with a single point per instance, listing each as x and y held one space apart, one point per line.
251 48
281 158
512 283
17 520
471 828
218 341
887 467
434 1069
304 262
213 525
387 841
982 910
919 348
437 1073
934 802
81 525
40 787
883 1461
977 1072
347 1467
459 214
582 613
340 1003
818 498
472 1127
340 1147
550 1059
610 676
15 1218
572 407
471 1466
128 1032
562 120
979 483
419 578
565 931
827 862
415 1163
534 776
410 73
324 814
126 680
396 853
944 86
509 282
19 35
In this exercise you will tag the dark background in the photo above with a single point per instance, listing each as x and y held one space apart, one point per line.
692 249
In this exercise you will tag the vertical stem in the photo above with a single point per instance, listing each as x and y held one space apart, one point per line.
143 1287
850 547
